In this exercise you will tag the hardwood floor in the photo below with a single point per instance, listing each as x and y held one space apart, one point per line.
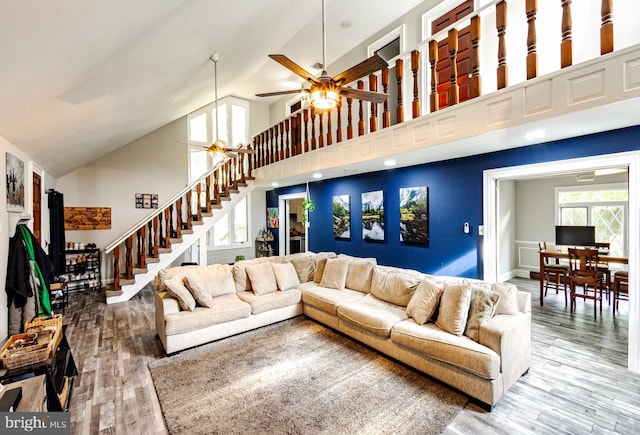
578 382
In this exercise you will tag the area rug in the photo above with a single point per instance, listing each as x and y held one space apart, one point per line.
297 377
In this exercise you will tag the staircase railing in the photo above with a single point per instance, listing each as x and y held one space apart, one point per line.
146 240
437 62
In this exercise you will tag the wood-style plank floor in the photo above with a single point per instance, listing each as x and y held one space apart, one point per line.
578 382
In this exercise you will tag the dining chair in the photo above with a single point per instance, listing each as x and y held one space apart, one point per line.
620 288
555 273
583 272
603 266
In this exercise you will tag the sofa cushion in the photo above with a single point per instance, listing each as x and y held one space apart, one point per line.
286 276
372 315
394 285
482 308
508 302
270 301
217 278
454 307
176 288
327 299
225 309
305 267
335 273
424 302
460 351
262 278
321 261
240 277
359 273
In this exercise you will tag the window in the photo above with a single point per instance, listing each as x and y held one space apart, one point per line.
232 231
603 206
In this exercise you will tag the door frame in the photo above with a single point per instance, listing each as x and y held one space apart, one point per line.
283 231
491 252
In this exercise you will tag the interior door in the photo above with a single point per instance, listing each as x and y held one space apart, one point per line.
37 207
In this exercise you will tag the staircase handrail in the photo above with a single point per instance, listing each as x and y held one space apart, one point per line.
160 209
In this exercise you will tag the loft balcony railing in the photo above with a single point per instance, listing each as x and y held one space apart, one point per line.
436 61
154 234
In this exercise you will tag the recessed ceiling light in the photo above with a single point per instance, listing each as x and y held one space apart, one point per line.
535 134
389 162
317 175
275 184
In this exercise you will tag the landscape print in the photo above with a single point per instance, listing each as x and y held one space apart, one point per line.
414 215
373 216
342 217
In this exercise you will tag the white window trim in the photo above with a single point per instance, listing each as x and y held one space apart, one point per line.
242 245
398 32
585 188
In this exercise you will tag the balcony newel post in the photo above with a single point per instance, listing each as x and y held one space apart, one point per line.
566 46
501 26
386 116
415 68
399 78
349 118
475 57
606 28
373 118
361 111
433 61
532 54
454 92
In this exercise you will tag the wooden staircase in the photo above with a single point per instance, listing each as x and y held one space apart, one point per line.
162 237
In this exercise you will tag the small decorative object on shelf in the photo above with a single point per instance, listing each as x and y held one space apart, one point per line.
82 270
264 243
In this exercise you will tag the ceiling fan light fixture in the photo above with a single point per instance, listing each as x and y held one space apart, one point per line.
323 97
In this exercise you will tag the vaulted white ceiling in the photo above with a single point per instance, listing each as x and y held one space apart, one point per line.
80 78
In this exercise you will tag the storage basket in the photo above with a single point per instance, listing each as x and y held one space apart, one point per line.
37 353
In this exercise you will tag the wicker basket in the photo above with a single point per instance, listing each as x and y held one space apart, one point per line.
34 354
43 322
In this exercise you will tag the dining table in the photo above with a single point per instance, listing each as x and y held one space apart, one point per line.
563 253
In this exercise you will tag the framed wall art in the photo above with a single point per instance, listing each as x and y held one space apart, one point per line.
342 217
414 215
373 216
15 183
146 200
273 220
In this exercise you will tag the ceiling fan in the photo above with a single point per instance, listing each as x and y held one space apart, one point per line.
325 90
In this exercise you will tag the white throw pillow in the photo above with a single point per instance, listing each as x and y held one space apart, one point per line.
286 276
482 308
335 273
454 307
263 280
176 288
359 273
425 301
199 291
508 302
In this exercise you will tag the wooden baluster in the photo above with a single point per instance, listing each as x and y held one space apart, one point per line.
606 28
415 68
321 129
349 118
116 268
216 186
233 165
269 138
156 236
150 239
532 53
172 229
225 171
179 218
198 208
262 149
297 145
399 78
142 255
566 46
254 157
167 228
283 142
287 138
373 116
433 61
128 256
386 116
313 129
276 143
245 161
189 212
207 193
476 83
454 92
305 114
250 166
501 25
339 120
361 111
329 133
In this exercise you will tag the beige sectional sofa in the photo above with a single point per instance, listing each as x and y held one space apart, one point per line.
470 334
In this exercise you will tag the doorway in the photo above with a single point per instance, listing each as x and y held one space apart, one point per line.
493 246
293 234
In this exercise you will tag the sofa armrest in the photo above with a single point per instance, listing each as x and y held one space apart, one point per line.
524 302
510 337
165 304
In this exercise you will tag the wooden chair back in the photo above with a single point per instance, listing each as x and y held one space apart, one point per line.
583 266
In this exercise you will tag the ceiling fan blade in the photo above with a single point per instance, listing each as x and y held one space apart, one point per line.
229 154
239 150
271 94
291 65
364 68
360 94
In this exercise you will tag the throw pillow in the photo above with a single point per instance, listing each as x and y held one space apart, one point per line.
508 302
199 291
305 268
176 288
286 276
394 286
482 308
263 280
321 260
359 273
335 273
425 301
454 307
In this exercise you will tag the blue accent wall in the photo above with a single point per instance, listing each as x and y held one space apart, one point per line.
455 197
